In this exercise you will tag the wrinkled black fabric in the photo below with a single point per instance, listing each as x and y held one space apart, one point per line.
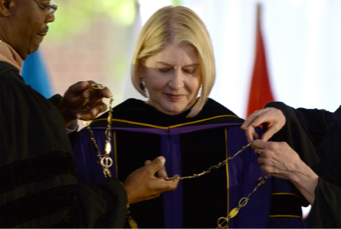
315 135
38 180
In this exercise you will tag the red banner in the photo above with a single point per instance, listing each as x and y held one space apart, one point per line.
260 90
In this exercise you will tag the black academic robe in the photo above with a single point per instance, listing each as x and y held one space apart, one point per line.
190 145
38 183
316 137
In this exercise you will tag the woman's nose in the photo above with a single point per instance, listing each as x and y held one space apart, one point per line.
177 80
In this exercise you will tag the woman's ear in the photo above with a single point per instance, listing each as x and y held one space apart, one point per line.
141 71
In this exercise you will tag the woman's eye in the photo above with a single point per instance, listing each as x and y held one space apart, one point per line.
165 69
189 71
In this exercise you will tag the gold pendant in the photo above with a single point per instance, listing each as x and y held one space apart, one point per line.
107 148
233 213
106 172
132 224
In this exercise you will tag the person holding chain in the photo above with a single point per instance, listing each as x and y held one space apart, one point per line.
221 183
310 157
38 181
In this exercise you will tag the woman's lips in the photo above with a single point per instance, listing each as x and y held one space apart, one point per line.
175 97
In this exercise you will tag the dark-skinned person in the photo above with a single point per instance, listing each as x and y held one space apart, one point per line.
304 148
173 66
39 186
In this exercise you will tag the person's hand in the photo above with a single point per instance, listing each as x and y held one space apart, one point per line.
142 184
273 118
278 159
83 102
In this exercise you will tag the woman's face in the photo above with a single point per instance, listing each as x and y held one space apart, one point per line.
173 79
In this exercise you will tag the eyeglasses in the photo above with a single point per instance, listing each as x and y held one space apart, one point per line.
48 8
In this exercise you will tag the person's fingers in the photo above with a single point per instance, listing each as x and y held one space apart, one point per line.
265 169
172 184
175 177
263 159
105 93
79 87
85 117
258 152
162 172
248 122
93 111
168 185
262 118
90 91
248 133
156 164
147 162
97 109
96 92
260 144
255 135
251 134
269 133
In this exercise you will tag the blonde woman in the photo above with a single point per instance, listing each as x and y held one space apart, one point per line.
173 66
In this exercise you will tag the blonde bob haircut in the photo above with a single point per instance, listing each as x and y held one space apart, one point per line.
176 25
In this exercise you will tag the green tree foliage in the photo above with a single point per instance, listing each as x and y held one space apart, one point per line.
75 16
176 2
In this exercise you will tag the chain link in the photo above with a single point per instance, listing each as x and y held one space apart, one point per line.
223 221
104 159
214 167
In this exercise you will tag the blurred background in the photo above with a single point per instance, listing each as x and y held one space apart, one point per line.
302 41
94 39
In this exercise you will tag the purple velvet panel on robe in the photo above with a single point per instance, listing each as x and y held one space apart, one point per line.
172 207
244 172
86 156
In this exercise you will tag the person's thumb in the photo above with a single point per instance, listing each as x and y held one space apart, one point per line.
79 86
157 163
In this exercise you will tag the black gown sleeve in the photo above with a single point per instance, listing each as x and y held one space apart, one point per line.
101 204
38 181
295 134
315 135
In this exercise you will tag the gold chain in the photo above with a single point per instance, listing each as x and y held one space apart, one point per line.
211 168
223 221
106 162
104 159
